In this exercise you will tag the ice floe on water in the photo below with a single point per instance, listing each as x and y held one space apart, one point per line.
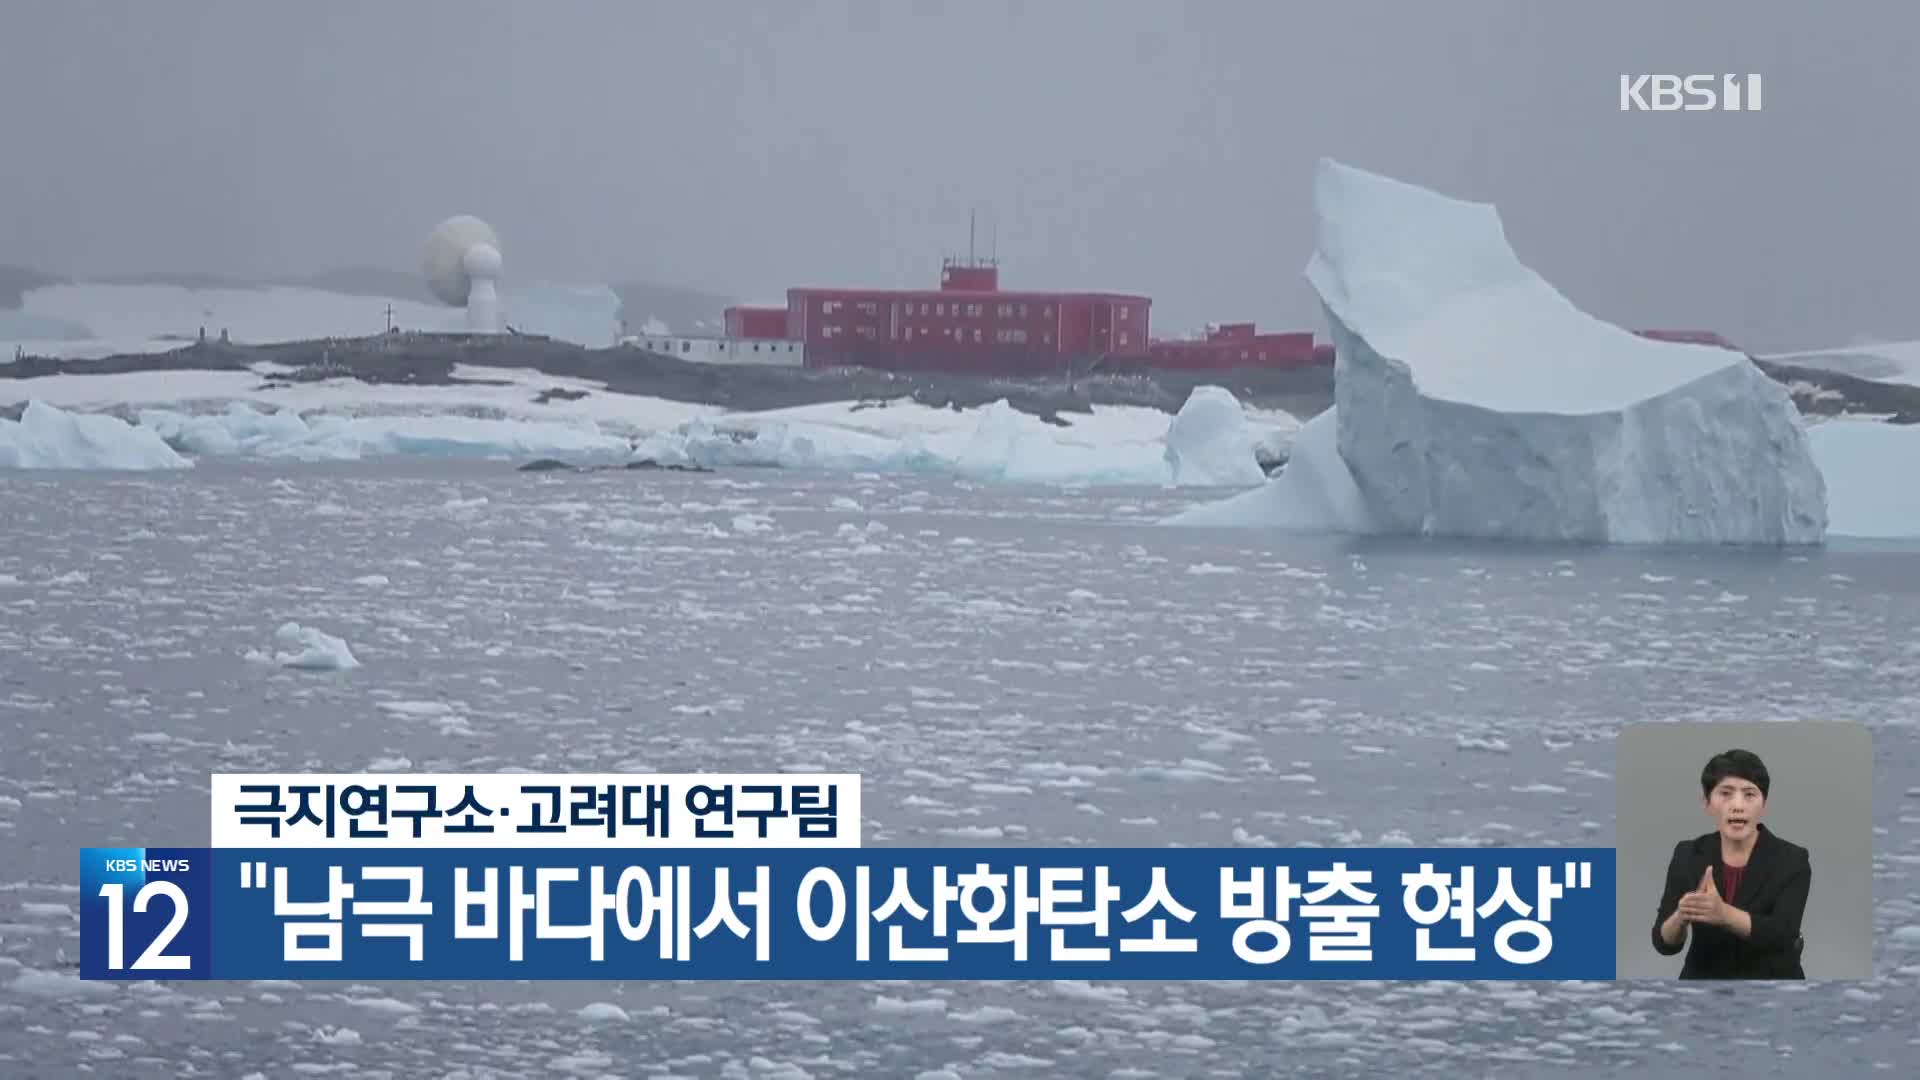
49 438
242 430
1212 441
308 649
1111 447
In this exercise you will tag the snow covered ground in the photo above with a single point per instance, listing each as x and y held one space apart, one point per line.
91 320
1895 362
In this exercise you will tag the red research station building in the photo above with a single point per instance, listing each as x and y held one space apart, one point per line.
756 322
1236 345
969 324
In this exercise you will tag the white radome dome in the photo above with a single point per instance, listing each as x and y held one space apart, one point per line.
482 261
458 250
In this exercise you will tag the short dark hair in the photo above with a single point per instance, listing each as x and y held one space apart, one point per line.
1741 764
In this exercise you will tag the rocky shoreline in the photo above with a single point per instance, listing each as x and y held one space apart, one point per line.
429 360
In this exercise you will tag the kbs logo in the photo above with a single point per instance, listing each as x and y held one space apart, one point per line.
1689 93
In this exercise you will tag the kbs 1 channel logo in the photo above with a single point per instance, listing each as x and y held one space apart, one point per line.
763 876
1690 93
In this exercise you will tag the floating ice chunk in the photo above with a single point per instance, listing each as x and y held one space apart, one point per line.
994 443
1314 492
49 438
55 984
1476 400
241 429
308 649
1607 1014
1209 443
900 1006
603 1012
384 1004
342 1036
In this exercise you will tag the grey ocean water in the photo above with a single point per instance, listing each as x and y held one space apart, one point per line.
1004 666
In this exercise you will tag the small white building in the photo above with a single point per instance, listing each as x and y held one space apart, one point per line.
720 350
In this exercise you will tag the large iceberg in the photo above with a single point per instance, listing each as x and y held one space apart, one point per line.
1473 399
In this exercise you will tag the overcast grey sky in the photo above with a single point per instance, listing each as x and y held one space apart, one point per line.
1164 147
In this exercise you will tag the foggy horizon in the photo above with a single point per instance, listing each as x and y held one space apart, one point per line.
742 149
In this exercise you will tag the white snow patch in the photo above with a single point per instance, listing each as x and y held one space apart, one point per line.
1892 362
90 319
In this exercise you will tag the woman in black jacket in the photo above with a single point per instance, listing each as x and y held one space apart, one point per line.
1740 890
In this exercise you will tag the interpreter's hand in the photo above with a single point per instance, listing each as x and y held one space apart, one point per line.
1703 905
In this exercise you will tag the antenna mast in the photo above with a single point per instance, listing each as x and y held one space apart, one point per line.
970 256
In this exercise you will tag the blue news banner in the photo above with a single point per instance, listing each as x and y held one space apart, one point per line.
871 913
